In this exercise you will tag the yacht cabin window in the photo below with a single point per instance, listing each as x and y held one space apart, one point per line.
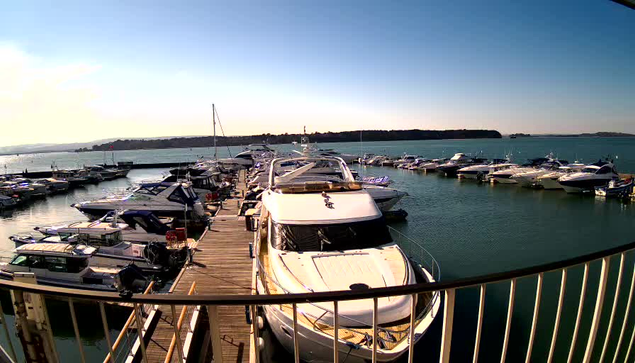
330 237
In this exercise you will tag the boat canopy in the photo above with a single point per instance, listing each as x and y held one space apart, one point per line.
320 208
147 220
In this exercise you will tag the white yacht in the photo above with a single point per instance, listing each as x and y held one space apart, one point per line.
529 179
246 157
131 226
484 170
589 178
384 197
549 181
456 162
176 200
312 150
319 236
432 165
67 265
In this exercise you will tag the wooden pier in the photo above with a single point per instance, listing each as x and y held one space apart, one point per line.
221 266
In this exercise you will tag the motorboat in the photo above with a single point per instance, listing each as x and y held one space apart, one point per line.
482 171
73 178
325 170
7 202
312 150
177 200
247 157
431 165
384 197
320 236
68 265
549 181
130 225
55 186
152 257
456 162
39 190
616 189
20 191
106 173
591 177
529 179
406 159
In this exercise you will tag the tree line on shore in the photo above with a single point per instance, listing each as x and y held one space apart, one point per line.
320 137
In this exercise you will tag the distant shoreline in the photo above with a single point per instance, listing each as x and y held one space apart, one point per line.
345 136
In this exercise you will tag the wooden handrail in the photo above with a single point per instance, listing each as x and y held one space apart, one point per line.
168 356
126 326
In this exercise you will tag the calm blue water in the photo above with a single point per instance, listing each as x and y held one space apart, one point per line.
470 228
583 149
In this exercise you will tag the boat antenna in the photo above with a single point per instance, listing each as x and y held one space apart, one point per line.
214 122
222 132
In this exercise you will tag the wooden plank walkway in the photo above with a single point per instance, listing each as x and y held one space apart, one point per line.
221 266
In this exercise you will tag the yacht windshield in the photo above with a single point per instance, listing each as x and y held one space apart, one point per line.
330 237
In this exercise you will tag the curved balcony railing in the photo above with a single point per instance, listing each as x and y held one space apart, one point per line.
614 340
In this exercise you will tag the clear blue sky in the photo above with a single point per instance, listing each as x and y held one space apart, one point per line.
153 68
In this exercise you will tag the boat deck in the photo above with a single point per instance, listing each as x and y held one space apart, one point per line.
221 266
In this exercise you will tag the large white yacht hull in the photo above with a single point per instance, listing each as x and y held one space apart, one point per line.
385 198
316 346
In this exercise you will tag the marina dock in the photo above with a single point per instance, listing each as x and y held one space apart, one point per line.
221 266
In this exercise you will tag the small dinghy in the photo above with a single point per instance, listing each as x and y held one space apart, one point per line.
615 189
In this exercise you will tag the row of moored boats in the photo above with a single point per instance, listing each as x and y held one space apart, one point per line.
17 190
600 178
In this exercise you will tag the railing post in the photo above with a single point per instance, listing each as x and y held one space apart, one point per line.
80 346
479 323
556 326
614 307
296 343
104 322
448 322
625 321
214 332
508 323
142 343
7 335
411 332
534 321
336 335
177 334
375 335
597 313
576 329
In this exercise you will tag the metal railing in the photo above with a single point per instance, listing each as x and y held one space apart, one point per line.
610 343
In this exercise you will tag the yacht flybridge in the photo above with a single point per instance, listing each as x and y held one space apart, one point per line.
318 235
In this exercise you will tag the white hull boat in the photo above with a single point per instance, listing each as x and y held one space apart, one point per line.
330 236
590 178
176 200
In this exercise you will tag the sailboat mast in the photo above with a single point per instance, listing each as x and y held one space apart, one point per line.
214 121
